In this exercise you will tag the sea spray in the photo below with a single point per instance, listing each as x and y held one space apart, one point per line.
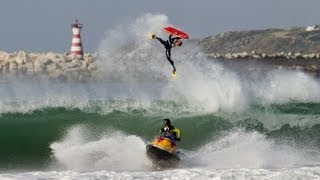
209 86
240 149
128 54
280 86
113 151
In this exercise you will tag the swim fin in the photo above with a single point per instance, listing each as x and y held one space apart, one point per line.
174 73
152 36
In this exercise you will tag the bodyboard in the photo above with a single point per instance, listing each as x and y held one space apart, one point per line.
176 32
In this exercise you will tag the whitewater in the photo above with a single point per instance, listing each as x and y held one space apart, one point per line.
244 122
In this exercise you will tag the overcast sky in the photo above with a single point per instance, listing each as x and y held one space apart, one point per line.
44 25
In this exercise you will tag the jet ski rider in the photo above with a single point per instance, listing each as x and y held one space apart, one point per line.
167 127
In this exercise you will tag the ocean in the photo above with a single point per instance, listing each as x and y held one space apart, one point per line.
247 122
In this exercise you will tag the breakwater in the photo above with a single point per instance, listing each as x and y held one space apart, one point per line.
256 55
47 65
293 61
65 67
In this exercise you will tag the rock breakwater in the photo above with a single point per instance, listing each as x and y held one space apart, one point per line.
256 55
48 65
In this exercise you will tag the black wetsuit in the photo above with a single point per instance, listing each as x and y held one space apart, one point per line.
168 45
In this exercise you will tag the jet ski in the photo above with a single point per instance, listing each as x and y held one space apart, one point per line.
163 152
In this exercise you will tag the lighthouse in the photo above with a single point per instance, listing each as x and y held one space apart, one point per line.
76 47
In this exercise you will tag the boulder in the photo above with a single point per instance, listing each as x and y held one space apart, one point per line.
50 68
6 66
13 67
228 56
92 67
256 56
4 56
244 55
39 66
22 57
26 68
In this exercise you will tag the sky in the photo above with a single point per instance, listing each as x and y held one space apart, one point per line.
44 25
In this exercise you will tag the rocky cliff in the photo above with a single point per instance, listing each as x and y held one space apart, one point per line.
269 41
294 48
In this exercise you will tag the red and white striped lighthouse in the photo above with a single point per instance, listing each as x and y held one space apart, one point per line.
76 47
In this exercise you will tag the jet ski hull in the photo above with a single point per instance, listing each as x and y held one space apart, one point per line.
162 158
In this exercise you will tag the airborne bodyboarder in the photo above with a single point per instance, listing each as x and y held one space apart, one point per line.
170 43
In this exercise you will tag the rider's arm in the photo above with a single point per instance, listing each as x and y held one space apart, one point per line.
161 130
172 40
176 38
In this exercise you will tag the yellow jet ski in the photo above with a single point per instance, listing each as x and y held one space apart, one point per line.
163 152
